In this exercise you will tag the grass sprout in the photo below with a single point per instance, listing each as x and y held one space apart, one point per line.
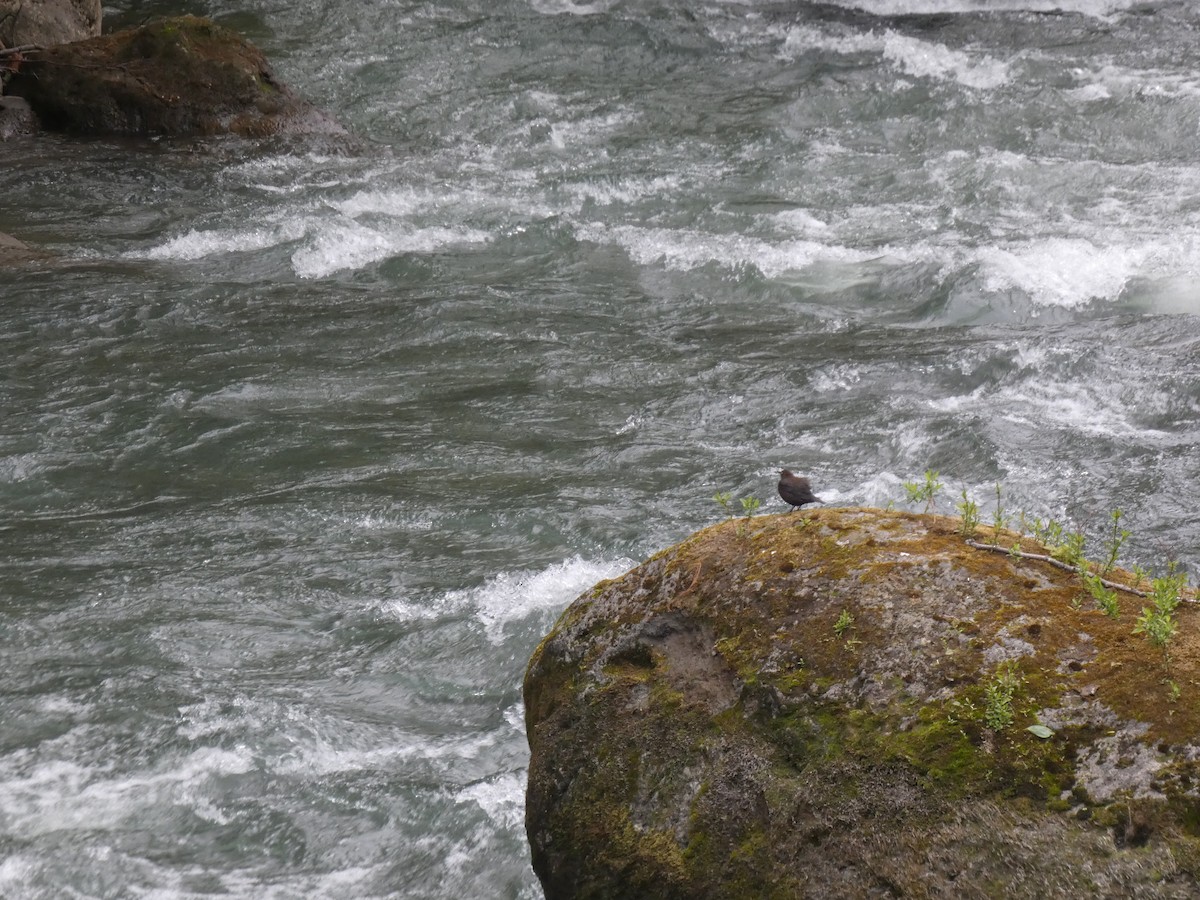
969 510
843 623
1112 546
1106 598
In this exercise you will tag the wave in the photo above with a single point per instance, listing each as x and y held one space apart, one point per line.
509 598
1096 8
200 243
685 249
913 56
351 245
57 794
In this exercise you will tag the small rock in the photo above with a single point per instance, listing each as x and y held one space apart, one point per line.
16 118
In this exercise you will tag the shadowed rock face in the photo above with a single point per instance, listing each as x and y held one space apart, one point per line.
837 705
181 76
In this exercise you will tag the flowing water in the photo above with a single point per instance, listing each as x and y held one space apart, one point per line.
302 450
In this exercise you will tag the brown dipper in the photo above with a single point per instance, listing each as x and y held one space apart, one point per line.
796 490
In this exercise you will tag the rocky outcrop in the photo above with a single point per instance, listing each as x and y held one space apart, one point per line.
856 703
182 76
14 252
47 22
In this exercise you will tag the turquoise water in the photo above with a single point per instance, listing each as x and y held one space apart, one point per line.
302 451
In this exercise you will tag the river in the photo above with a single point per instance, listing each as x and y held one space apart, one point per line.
302 451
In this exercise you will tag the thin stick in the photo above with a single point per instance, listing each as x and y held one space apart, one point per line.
1040 557
24 48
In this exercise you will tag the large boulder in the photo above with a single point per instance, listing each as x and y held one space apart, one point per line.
838 704
47 22
181 76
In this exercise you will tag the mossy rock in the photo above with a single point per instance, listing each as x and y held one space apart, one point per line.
182 76
837 704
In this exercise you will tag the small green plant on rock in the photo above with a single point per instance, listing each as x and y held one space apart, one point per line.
998 696
924 492
724 499
1106 598
1157 621
999 519
843 623
749 505
1063 545
969 510
1112 546
1140 575
1070 548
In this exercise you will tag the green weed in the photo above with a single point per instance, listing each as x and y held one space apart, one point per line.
1112 546
924 492
843 623
1157 621
969 510
998 696
999 519
724 500
1105 597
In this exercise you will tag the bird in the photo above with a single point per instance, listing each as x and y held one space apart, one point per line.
796 490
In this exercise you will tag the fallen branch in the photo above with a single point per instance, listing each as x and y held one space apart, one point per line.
1041 557
17 51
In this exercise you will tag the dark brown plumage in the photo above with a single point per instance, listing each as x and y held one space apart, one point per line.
796 490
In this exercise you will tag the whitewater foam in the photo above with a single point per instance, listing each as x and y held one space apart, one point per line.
685 249
197 244
502 798
509 598
913 56
571 7
623 189
1063 272
1049 403
60 795
351 245
1096 8
1110 79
